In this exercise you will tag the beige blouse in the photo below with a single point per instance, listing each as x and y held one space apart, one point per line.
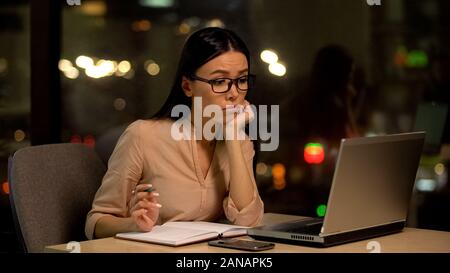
146 153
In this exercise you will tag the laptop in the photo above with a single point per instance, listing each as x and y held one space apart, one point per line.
370 194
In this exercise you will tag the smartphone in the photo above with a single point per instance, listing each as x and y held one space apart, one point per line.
250 245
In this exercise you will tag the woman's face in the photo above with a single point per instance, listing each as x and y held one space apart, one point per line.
231 64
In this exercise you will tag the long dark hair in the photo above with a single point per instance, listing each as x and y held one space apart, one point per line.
201 47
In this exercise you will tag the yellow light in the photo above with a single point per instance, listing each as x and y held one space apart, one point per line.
19 135
64 65
71 73
115 65
279 184
101 69
278 171
144 25
84 61
124 66
278 174
261 168
141 25
216 23
439 169
93 72
184 28
268 56
153 69
277 69
94 8
106 67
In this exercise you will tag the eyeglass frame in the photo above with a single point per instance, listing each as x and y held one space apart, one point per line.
232 81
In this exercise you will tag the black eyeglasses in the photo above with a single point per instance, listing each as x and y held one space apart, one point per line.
223 85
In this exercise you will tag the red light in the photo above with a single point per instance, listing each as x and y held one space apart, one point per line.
313 153
89 140
5 187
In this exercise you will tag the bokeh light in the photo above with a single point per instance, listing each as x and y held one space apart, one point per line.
321 210
314 153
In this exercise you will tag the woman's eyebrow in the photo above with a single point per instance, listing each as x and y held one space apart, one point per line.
220 71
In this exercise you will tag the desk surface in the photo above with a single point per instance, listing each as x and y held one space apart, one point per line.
409 240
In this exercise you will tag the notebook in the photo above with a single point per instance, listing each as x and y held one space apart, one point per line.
181 233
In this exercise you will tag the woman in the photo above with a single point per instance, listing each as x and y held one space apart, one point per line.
331 95
194 179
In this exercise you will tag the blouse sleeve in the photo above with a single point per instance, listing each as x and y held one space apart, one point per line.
124 171
252 214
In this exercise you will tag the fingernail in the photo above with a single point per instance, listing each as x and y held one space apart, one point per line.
159 205
145 211
149 185
155 194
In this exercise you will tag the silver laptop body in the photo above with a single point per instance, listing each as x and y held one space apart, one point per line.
370 193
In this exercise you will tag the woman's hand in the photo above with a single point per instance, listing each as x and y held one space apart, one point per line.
144 207
237 117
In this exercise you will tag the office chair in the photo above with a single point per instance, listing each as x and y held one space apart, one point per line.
51 191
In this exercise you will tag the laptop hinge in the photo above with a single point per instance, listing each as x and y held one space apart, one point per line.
322 234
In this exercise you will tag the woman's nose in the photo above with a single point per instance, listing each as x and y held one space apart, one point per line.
232 93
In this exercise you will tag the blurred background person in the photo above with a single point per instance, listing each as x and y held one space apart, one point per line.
330 97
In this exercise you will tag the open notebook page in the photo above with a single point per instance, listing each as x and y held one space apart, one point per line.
208 226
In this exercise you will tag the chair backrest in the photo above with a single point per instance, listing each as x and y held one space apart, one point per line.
51 190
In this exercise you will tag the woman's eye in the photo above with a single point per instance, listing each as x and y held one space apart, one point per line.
219 82
243 80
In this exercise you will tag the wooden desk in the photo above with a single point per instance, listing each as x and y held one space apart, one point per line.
410 240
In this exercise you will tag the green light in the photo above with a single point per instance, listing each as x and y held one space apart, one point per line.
313 145
321 210
410 58
157 3
417 58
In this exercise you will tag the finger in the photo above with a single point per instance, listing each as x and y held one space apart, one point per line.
155 205
142 187
146 205
147 219
147 195
139 212
139 205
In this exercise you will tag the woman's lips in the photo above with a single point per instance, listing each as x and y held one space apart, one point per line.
229 106
237 108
